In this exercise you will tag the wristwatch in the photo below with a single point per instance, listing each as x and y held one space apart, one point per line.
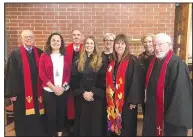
66 87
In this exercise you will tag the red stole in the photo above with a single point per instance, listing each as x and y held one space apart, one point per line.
159 92
115 95
70 50
29 100
70 103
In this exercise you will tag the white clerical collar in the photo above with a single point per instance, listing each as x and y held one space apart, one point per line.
76 47
28 48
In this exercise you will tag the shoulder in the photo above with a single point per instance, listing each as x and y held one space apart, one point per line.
133 58
176 65
15 52
176 61
140 55
67 55
44 55
136 62
39 50
103 55
69 46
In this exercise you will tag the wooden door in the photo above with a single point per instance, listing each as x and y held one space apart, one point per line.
183 31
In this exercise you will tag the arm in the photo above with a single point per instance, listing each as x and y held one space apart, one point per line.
13 85
68 67
42 72
136 93
100 86
179 112
75 82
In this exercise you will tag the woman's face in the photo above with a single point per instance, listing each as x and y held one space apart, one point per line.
120 47
89 46
109 41
55 42
147 42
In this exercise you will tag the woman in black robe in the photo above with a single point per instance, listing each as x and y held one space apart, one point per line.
91 91
108 45
125 85
146 56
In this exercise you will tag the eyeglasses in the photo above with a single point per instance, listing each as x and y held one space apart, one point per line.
27 37
110 40
160 44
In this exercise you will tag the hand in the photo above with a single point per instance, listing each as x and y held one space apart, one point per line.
131 106
61 89
58 90
13 98
91 94
87 96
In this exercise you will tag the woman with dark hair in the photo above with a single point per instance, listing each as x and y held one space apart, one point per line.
124 81
91 91
54 71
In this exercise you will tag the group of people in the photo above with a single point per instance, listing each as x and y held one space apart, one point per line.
93 93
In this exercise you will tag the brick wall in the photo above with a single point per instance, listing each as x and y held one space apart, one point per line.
134 20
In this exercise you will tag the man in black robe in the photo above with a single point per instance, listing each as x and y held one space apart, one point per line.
73 49
176 92
27 122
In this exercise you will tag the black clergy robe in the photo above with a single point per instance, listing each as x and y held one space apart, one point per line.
177 99
90 120
134 94
145 60
108 57
25 125
74 84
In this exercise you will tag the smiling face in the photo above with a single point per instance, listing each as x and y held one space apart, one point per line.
148 45
161 46
27 38
109 41
120 47
55 42
89 46
76 36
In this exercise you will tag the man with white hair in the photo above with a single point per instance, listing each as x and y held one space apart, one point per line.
168 92
23 87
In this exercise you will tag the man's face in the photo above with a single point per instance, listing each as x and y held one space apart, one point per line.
76 36
161 47
27 38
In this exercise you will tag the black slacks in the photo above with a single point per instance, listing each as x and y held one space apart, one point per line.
55 108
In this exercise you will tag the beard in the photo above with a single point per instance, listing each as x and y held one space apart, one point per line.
160 55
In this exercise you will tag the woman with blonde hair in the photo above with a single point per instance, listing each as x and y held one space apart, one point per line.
91 91
108 45
124 81
146 56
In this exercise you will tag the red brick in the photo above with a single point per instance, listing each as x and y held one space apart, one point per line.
134 20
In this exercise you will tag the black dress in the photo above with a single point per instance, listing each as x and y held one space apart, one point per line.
91 115
145 60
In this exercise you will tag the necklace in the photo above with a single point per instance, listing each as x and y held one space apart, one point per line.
57 73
